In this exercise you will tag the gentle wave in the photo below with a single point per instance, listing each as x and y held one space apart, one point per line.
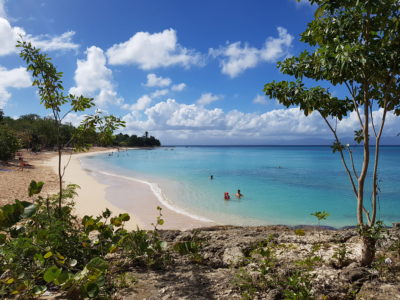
161 197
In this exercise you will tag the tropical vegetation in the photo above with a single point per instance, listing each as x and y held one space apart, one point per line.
354 44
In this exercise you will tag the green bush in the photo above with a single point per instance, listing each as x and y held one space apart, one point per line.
9 144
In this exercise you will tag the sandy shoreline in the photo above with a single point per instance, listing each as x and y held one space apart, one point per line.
122 196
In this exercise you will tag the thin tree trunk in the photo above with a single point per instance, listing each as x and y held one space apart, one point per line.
376 161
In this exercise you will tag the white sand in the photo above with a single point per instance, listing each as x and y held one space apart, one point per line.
127 197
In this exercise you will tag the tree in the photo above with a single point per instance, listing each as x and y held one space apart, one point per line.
357 46
9 144
51 92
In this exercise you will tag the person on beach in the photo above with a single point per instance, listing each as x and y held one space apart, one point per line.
226 196
239 194
23 164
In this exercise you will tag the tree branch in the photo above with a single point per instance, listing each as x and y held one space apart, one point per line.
341 155
351 91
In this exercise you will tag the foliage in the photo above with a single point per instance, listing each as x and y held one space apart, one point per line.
298 286
341 256
135 141
264 274
190 247
299 232
9 143
146 247
320 215
40 251
355 44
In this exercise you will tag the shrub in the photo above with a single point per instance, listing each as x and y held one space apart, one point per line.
9 144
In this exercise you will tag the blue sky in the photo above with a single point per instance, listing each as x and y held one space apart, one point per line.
189 72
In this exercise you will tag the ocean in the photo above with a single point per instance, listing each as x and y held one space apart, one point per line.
280 184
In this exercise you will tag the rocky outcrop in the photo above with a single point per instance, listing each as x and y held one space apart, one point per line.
269 263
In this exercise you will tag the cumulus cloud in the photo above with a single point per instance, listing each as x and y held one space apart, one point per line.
259 99
141 104
52 43
159 93
94 79
174 122
178 87
74 119
154 81
207 98
149 51
14 78
2 9
9 36
237 58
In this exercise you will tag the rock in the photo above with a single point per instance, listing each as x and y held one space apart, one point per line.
274 294
344 236
233 256
358 274
379 291
396 225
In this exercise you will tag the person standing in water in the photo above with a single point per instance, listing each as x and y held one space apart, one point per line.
239 194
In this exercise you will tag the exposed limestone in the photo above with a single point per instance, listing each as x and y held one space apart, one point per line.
232 256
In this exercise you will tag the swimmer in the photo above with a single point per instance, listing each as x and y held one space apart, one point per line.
211 177
226 196
239 194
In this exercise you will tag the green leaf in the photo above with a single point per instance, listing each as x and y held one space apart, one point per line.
39 289
48 254
3 238
51 274
62 278
97 263
35 187
92 289
124 217
116 221
106 213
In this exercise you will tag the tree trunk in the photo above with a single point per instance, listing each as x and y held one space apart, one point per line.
368 250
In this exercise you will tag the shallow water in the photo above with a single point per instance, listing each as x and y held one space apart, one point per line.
281 184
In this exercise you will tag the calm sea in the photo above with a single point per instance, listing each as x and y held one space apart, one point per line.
280 184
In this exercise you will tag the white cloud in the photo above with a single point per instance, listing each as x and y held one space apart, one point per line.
52 43
275 48
174 122
259 99
74 119
237 58
207 98
14 78
94 79
141 104
2 9
10 35
159 93
302 2
154 81
149 51
178 87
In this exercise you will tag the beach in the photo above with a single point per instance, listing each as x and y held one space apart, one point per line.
127 196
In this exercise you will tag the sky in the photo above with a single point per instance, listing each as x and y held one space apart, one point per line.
188 72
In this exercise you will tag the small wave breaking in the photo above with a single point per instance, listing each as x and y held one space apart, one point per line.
157 191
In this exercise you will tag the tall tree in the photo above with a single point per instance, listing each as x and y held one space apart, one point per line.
51 92
356 45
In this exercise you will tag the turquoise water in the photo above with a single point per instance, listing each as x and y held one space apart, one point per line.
281 185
